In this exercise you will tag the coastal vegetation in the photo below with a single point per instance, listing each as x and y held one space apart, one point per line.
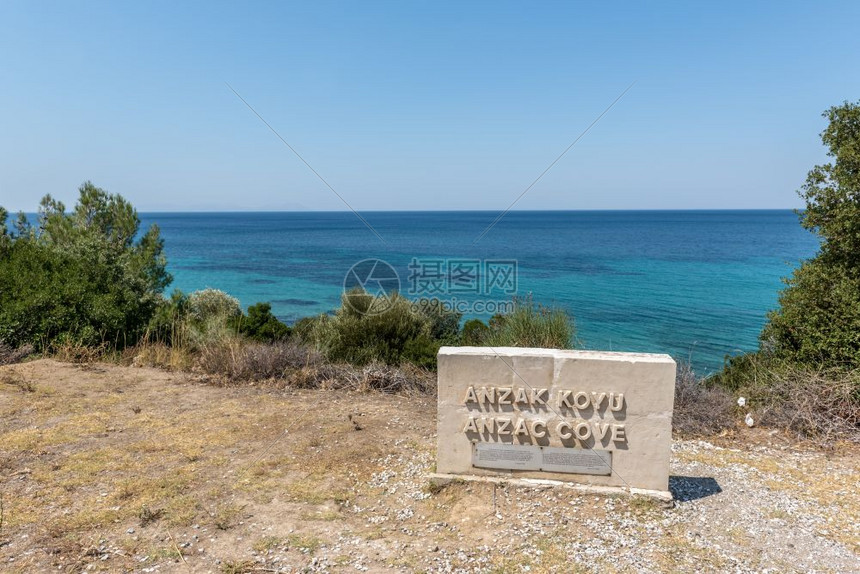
88 284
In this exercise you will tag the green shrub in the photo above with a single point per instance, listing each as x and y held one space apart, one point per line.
210 313
303 329
367 328
80 277
803 377
208 305
259 324
444 322
530 325
421 351
818 320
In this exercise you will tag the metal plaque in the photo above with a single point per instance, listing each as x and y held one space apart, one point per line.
577 461
548 459
506 456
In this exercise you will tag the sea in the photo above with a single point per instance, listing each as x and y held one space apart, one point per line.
694 284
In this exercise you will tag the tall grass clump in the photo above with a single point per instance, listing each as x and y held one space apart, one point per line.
529 325
195 320
242 360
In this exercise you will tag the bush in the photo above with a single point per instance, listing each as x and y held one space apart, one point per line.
212 305
207 316
303 329
818 405
81 277
368 328
530 325
260 324
444 323
198 319
803 377
818 320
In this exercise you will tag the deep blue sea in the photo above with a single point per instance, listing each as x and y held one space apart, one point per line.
694 284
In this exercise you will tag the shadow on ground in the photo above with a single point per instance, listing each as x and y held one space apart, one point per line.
687 488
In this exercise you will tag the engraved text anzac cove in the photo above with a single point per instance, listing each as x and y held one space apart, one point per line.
578 428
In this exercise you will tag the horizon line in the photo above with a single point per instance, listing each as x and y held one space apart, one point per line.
582 210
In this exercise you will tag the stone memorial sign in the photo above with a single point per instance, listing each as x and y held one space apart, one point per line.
594 418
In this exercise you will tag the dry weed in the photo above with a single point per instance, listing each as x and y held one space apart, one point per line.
8 355
700 409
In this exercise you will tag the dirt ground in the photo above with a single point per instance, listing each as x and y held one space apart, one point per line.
121 469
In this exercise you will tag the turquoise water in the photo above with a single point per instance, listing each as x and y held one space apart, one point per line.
694 284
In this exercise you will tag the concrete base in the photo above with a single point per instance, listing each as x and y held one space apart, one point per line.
660 495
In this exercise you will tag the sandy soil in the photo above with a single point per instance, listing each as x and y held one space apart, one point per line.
109 468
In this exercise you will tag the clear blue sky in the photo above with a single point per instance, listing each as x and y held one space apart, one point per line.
420 105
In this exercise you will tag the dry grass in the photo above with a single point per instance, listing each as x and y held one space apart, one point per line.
96 449
700 409
148 354
377 377
239 360
293 365
682 554
822 406
305 543
287 364
16 380
268 543
75 352
9 356
238 566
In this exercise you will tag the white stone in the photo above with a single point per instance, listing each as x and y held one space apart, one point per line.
619 404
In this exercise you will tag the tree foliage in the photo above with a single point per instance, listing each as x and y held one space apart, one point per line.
818 319
86 275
